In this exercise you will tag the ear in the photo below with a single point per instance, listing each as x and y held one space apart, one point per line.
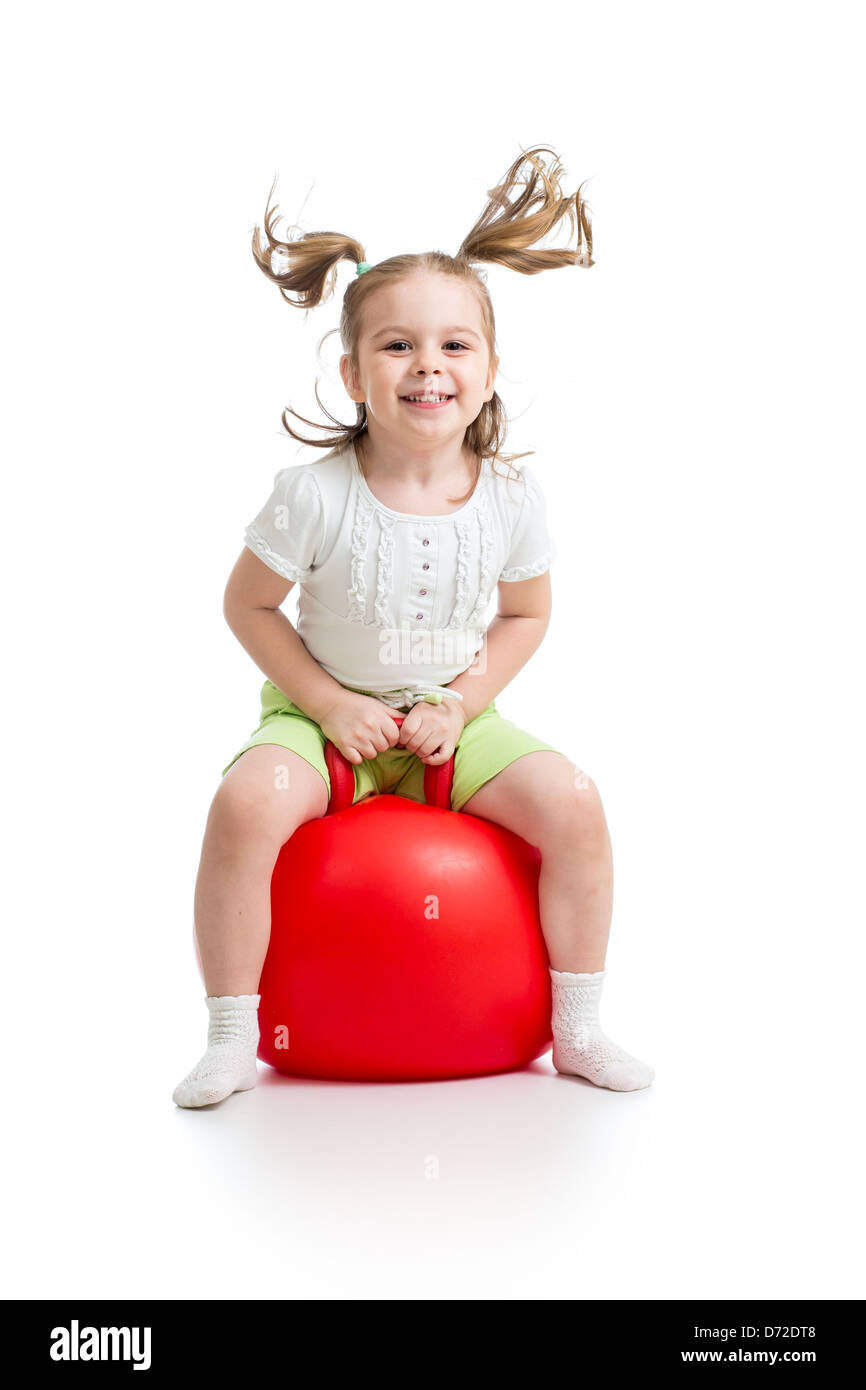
347 372
490 384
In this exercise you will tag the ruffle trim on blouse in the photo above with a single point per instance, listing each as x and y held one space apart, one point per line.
459 617
358 579
357 611
384 566
357 607
528 571
461 601
532 493
257 543
486 554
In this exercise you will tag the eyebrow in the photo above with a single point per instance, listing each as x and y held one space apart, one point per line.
456 328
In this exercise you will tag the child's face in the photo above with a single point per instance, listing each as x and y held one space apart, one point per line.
424 332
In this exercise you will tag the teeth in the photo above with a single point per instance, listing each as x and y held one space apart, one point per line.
426 398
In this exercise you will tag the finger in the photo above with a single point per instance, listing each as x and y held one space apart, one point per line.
431 744
441 757
418 741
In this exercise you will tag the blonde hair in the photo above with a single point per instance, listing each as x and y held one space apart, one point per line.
504 234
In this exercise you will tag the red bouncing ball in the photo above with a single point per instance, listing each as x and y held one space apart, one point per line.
405 941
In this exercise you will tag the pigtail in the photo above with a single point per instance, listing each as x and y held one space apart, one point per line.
506 233
507 238
313 259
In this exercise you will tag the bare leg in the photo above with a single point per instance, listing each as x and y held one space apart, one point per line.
575 888
259 804
263 798
553 805
545 799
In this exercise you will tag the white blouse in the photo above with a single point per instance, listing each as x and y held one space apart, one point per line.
389 602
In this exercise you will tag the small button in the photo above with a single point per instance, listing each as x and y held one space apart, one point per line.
419 616
425 566
425 542
423 591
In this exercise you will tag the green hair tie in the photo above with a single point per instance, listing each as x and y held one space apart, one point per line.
362 266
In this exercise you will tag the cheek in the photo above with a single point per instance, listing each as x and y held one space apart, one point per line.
381 384
471 381
390 377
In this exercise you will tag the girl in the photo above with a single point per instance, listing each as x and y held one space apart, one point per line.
397 538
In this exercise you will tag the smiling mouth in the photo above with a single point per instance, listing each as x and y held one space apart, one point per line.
427 402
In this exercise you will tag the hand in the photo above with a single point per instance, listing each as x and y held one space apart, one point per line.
360 726
433 731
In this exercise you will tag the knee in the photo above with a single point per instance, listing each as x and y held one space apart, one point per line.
235 809
573 809
242 814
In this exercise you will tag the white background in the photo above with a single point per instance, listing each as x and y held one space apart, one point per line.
694 402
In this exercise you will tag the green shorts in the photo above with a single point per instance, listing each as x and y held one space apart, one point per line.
487 744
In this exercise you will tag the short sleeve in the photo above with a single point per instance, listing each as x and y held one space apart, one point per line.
532 547
288 532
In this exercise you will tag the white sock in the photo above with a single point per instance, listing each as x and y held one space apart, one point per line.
230 1061
580 1047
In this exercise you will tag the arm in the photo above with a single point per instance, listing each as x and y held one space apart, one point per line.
522 617
251 607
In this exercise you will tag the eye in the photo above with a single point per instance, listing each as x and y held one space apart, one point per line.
401 342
